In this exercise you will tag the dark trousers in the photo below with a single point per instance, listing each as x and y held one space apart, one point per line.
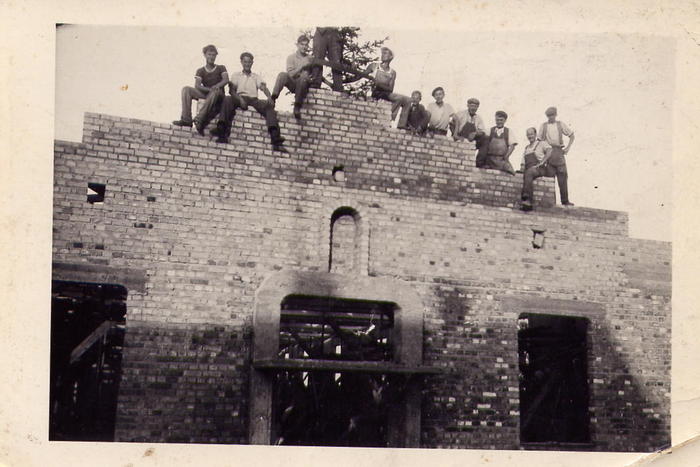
211 106
327 41
556 166
482 147
498 162
299 85
231 103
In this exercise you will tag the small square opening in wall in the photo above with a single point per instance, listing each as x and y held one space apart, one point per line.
538 237
96 193
339 173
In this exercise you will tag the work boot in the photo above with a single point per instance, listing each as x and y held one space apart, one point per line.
526 205
182 123
218 130
198 126
275 136
567 203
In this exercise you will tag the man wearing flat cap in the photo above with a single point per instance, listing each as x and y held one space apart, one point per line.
500 146
553 131
470 126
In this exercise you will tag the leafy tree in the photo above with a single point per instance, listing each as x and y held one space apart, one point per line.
357 54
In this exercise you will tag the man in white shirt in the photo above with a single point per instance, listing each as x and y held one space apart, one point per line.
470 126
297 77
535 157
243 87
441 113
553 131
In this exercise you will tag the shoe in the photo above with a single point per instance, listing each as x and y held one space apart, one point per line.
222 140
275 137
199 128
526 205
215 131
568 203
297 112
182 123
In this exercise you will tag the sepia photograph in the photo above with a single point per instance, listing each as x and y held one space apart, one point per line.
330 233
340 237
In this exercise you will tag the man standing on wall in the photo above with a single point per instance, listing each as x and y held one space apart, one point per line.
209 82
470 126
244 88
327 41
553 131
441 113
534 165
297 77
500 146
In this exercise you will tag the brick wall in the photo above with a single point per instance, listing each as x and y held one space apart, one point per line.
201 225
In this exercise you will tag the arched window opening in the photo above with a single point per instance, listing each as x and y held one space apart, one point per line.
344 257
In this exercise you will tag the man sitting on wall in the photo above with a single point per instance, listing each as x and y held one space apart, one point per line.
297 77
383 78
441 113
470 126
418 117
500 146
244 88
553 132
209 82
534 165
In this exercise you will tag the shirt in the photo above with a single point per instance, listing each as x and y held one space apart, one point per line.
296 61
550 132
247 84
539 148
440 115
210 78
383 79
461 118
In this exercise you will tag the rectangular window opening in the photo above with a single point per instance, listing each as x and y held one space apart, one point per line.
87 335
96 193
334 407
327 328
554 392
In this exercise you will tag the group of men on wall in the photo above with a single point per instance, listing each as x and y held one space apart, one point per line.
543 156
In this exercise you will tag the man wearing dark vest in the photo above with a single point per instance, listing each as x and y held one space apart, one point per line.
297 77
209 82
500 146
534 165
418 117
469 125
553 131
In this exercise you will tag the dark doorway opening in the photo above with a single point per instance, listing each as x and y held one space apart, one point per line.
343 406
87 334
553 381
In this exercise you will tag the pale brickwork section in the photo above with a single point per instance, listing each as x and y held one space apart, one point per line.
204 224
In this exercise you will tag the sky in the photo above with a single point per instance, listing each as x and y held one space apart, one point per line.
615 90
